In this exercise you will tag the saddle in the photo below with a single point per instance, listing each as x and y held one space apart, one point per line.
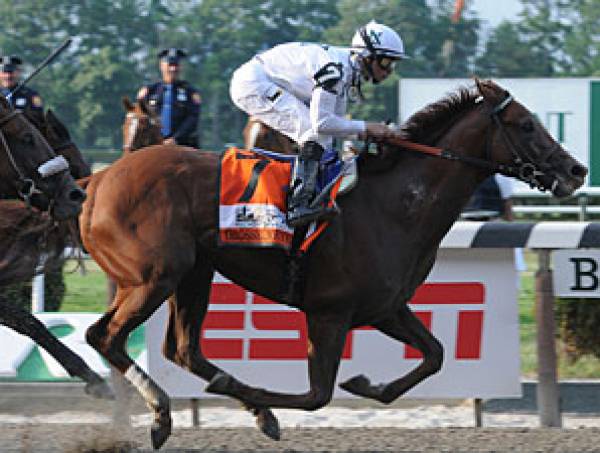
253 190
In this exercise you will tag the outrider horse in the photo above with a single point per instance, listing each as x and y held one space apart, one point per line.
141 127
28 233
150 222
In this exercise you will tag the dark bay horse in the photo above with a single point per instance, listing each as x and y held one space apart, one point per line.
150 222
59 139
27 234
29 166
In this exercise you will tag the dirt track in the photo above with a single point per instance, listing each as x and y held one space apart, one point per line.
81 438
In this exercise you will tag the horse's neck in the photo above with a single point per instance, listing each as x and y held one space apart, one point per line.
426 194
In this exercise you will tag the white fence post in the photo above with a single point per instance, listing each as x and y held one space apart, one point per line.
37 294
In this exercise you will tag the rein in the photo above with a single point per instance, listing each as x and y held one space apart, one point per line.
526 171
26 186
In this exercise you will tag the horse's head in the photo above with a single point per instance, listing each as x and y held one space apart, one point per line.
141 127
59 139
519 141
28 166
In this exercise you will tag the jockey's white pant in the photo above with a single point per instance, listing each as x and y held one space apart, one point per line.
252 91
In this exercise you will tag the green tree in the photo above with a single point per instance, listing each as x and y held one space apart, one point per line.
221 35
507 54
582 43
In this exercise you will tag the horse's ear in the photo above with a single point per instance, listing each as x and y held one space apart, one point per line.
57 124
127 105
35 117
489 90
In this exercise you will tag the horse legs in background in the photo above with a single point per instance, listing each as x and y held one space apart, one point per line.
187 310
407 328
131 307
326 339
23 322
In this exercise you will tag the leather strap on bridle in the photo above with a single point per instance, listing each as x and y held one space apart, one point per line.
522 167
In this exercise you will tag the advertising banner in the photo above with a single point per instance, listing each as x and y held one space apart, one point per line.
264 344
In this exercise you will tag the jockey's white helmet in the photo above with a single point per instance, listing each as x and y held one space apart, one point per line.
378 40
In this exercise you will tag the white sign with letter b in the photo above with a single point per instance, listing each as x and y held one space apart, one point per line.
576 273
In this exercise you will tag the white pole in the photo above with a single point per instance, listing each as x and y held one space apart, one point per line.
37 294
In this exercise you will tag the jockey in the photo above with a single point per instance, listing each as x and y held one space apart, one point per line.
302 89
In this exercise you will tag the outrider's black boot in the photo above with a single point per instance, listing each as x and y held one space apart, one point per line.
304 184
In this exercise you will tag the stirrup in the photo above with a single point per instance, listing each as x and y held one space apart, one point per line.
305 215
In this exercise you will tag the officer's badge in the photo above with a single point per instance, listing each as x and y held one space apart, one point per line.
20 102
36 101
196 98
181 95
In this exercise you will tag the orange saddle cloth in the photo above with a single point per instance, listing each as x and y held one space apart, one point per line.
252 200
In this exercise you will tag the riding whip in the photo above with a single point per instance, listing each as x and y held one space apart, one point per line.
41 66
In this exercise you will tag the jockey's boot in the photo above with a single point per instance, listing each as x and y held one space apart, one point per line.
300 211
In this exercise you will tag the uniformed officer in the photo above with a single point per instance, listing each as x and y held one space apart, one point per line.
10 74
175 101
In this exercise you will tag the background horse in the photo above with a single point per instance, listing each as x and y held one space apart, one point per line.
23 153
150 222
257 134
141 126
59 139
28 234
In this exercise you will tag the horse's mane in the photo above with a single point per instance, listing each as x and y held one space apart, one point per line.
426 125
25 234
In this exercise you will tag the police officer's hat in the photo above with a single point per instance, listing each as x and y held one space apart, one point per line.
172 55
9 63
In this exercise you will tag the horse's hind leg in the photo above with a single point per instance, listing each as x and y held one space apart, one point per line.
326 335
23 322
132 306
187 310
405 327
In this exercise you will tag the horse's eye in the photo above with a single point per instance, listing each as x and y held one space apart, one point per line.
528 126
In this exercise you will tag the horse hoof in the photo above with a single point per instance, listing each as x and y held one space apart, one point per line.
219 384
159 433
100 390
268 424
358 385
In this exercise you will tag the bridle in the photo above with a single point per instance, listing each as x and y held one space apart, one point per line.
522 167
26 187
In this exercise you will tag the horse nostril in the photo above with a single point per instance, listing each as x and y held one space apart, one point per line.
579 171
77 195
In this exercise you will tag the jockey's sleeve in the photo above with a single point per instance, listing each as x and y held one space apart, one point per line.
325 120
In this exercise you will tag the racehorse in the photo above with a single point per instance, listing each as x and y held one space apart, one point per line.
26 234
28 166
59 139
141 127
257 134
151 223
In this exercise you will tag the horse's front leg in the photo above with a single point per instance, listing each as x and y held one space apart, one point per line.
23 322
405 327
326 338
